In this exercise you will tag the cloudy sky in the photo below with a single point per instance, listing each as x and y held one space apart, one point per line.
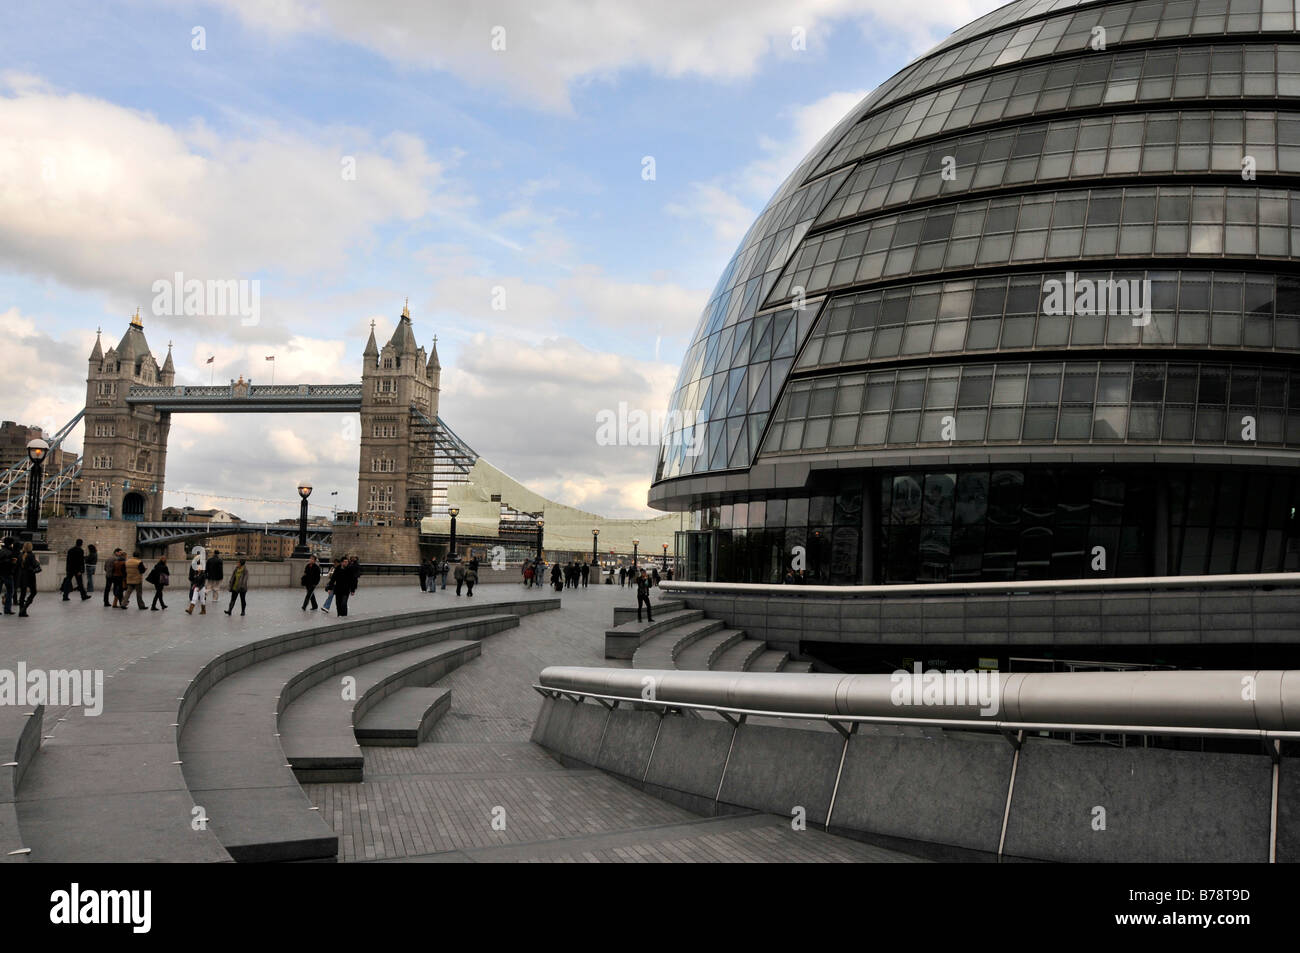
347 154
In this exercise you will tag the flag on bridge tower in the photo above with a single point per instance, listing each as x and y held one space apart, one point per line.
211 359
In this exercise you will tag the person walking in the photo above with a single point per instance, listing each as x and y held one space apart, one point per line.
460 576
344 585
213 575
198 576
424 574
119 579
654 577
329 586
310 580
586 573
643 596
8 573
622 576
471 577
74 567
443 569
239 588
557 578
108 576
28 567
135 572
92 565
159 577
527 571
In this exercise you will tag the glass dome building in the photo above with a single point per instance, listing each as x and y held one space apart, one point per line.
1030 311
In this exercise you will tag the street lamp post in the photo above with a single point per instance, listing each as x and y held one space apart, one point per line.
665 557
451 547
301 551
37 450
635 544
594 558
540 523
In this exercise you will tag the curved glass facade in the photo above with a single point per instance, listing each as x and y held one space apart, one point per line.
1056 253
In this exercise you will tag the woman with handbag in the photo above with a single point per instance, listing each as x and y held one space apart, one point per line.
159 577
28 567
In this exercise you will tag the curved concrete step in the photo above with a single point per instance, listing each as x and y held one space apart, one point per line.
316 730
234 765
404 718
701 653
769 660
622 641
662 650
20 740
800 668
739 657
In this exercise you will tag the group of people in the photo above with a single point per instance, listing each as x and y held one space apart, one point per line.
18 569
340 584
570 575
629 577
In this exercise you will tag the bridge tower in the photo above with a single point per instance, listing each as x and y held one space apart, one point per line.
124 455
399 384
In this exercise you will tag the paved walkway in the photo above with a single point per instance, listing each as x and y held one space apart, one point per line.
479 790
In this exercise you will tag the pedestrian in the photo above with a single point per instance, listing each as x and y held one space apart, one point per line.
135 573
28 567
160 578
460 577
108 576
239 587
471 577
345 584
198 576
329 586
443 570
622 575
213 575
424 574
119 578
643 596
8 573
92 565
654 577
557 578
74 567
310 580
586 573
528 574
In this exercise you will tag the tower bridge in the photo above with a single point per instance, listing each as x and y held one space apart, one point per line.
407 456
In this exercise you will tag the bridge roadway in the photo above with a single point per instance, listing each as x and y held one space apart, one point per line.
430 803
248 398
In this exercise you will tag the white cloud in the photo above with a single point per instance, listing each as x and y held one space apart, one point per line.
97 195
551 46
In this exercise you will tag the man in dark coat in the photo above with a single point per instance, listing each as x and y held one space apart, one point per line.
643 596
310 580
74 568
8 573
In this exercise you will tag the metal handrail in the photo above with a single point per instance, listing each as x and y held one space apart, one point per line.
1254 703
1225 580
964 723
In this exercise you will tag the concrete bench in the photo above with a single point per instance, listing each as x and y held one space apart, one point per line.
317 728
404 718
